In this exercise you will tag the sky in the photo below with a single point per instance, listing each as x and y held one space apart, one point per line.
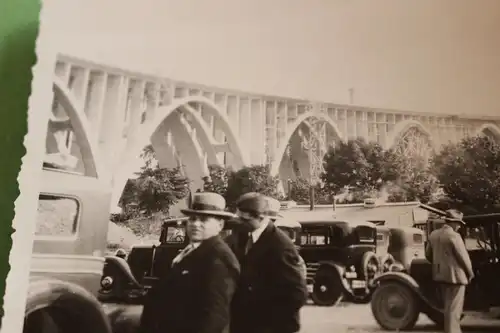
440 56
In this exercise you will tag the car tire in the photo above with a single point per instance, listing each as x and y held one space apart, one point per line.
327 288
395 319
62 307
386 263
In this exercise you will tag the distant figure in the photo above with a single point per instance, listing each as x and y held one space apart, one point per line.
195 295
451 267
271 290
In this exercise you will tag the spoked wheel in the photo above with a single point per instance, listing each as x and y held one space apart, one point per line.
327 289
395 307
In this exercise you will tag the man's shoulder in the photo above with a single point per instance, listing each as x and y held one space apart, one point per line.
281 240
222 251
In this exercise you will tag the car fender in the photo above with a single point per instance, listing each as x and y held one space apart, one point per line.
339 269
407 280
122 266
72 299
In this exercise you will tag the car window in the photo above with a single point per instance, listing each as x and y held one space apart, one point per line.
314 236
175 235
57 216
366 234
475 238
418 239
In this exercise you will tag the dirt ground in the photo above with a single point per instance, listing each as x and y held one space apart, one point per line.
352 318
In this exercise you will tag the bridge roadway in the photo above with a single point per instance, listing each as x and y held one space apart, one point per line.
345 318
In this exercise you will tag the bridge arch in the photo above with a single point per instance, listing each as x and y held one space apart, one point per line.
401 128
489 129
153 131
291 128
87 142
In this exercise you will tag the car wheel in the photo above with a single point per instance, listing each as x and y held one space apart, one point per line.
327 288
370 267
395 306
387 263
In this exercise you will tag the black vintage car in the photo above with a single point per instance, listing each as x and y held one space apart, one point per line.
399 298
340 258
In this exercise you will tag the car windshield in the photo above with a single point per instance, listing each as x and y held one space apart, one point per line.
480 237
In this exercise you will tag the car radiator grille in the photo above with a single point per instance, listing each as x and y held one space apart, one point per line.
312 268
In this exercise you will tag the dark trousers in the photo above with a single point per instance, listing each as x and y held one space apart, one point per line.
453 297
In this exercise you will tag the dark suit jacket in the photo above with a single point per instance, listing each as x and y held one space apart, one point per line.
449 257
271 289
195 295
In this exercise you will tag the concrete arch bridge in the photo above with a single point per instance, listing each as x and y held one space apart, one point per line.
103 117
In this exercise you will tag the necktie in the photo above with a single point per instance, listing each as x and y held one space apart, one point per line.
187 250
249 243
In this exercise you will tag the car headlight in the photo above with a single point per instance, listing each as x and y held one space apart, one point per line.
107 282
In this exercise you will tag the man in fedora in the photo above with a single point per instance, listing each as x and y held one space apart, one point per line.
451 267
195 294
271 289
275 216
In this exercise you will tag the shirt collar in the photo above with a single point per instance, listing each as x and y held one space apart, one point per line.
258 232
195 245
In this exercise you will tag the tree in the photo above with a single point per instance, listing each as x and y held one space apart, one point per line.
300 192
469 173
359 165
255 178
160 188
218 178
415 180
154 190
148 154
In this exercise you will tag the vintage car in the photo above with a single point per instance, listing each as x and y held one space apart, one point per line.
340 258
406 244
399 298
67 260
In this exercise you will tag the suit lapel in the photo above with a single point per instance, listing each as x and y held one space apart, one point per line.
262 243
198 253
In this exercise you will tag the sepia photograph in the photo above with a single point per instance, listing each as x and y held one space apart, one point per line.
260 167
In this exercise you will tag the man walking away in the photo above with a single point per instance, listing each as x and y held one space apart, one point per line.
271 290
195 294
451 268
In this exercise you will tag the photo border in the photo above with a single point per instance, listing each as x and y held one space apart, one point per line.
20 70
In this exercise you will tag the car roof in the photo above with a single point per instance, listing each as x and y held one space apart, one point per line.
351 223
482 218
408 229
287 223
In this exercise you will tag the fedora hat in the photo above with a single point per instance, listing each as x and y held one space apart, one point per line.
273 208
453 215
253 202
208 203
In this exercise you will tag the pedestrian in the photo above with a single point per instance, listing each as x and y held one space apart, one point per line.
451 267
274 215
271 289
195 294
